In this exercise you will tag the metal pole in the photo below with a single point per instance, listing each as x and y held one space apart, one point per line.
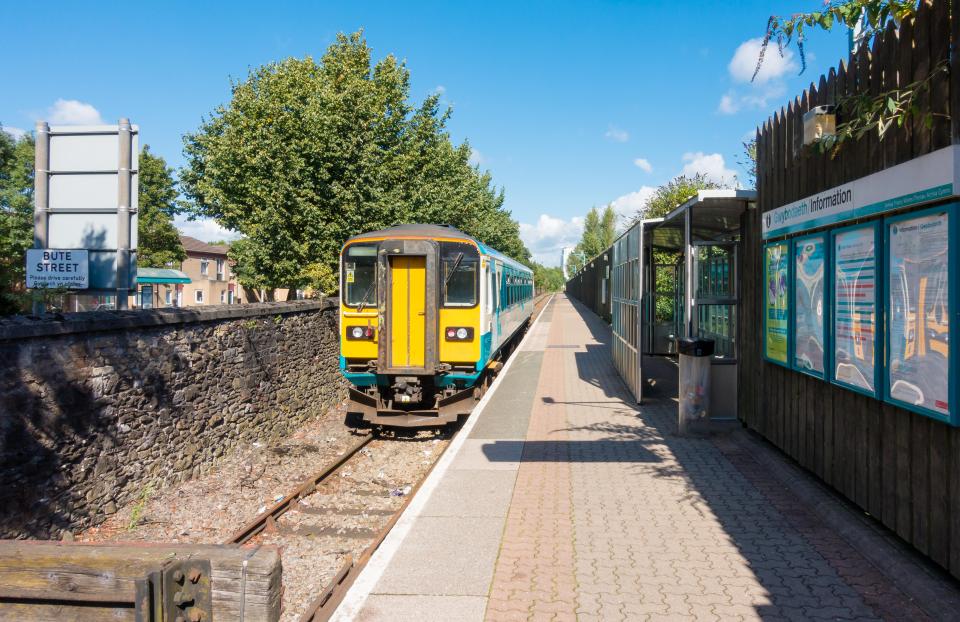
640 300
124 213
41 196
688 270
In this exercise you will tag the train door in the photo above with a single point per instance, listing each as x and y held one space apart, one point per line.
408 309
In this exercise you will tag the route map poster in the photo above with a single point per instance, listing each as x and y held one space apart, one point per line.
855 308
776 270
919 318
809 257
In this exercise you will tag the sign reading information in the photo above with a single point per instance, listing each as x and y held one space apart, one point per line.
855 308
919 316
921 180
776 277
809 267
68 269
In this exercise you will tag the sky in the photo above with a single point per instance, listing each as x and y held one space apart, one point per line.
570 105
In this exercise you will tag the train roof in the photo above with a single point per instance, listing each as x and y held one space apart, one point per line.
447 232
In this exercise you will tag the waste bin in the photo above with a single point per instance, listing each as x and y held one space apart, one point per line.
695 357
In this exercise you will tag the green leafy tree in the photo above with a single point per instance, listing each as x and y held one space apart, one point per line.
547 279
16 218
673 194
748 160
599 232
308 153
158 239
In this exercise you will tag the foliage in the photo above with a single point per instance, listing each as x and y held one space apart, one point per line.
308 153
864 113
547 279
748 161
136 512
672 194
599 232
16 218
158 239
871 16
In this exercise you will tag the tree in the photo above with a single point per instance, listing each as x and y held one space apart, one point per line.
308 153
672 194
547 279
16 218
748 160
599 232
158 239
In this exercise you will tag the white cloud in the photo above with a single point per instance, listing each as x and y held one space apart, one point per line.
439 90
711 165
728 104
757 98
73 112
548 236
643 164
204 229
626 206
744 62
476 158
616 134
16 132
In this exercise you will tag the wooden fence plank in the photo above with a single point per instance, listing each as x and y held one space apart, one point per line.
921 69
939 506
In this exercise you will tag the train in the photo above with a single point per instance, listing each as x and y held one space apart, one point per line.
427 314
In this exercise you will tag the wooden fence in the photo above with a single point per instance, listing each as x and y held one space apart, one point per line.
901 467
591 285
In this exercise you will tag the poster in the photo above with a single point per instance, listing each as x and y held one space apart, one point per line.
809 256
919 317
776 301
855 307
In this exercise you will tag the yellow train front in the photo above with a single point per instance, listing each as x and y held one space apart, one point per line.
426 313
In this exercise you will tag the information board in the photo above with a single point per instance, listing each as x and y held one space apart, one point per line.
919 311
855 308
776 301
809 256
56 269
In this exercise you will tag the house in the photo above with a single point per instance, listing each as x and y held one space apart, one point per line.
211 278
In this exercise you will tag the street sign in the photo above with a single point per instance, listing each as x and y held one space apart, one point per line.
53 269
85 199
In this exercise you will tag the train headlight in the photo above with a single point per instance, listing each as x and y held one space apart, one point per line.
361 332
462 333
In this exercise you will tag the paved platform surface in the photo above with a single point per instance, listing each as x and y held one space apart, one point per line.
566 501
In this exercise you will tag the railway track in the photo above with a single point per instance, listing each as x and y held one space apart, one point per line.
339 516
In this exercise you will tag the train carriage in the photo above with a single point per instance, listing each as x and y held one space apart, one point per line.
426 312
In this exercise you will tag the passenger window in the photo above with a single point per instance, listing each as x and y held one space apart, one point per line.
461 285
360 276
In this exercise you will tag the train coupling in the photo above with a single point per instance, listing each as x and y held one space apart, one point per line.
407 390
374 410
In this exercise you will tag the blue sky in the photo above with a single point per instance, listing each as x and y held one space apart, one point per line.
569 105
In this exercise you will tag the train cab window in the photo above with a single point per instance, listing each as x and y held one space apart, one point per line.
461 274
360 276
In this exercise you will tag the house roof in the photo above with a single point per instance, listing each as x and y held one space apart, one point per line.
161 275
193 245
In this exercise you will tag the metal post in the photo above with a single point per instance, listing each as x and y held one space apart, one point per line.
41 196
640 300
124 213
688 271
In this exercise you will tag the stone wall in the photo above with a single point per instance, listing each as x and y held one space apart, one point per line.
96 406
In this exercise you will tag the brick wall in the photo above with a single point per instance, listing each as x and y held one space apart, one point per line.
96 406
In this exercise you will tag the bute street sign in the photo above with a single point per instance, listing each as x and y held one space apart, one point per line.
86 200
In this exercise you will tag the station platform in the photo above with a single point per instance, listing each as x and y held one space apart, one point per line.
561 499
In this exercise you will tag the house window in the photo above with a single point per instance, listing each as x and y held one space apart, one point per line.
223 297
198 296
168 297
219 269
204 267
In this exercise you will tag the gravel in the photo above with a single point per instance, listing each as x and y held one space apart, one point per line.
343 517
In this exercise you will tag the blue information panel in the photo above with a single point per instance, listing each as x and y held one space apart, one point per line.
855 308
809 269
918 295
